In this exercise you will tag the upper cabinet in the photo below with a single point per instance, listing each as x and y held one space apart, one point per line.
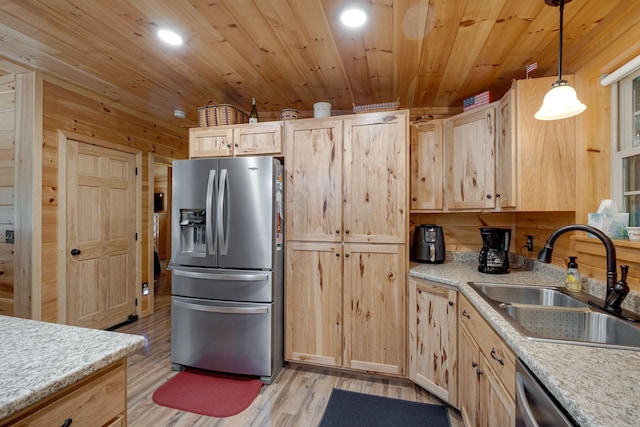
346 178
427 166
470 140
544 152
237 140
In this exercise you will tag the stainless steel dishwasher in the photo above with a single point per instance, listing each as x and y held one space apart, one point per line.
534 405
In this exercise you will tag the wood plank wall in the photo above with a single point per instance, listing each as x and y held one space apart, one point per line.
7 189
462 230
70 108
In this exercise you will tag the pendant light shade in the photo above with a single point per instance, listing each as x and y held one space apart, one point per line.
561 101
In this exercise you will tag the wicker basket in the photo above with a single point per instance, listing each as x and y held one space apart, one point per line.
220 115
384 106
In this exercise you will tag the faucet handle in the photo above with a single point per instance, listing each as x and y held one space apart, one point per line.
624 270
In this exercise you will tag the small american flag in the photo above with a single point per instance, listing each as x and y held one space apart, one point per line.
477 100
530 68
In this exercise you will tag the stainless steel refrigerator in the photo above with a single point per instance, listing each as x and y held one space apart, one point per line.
227 265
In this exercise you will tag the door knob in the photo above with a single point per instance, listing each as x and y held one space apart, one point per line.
75 251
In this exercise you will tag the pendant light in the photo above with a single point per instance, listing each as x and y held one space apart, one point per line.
561 101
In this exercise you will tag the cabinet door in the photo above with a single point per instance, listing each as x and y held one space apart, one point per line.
258 139
374 308
498 408
469 383
210 142
470 144
506 153
313 303
433 339
375 177
427 166
314 180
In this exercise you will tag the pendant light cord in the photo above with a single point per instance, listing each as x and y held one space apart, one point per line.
560 42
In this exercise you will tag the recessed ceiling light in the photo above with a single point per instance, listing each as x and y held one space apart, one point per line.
170 37
353 17
179 114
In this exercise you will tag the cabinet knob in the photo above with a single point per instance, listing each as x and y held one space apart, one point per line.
474 365
337 253
337 231
488 196
465 314
451 303
414 199
228 145
236 145
75 252
346 231
67 422
498 195
479 372
346 255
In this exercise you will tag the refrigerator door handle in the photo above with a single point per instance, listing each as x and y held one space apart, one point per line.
223 310
223 192
209 213
248 277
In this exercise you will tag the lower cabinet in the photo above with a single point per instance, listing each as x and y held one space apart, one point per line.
433 338
100 400
345 306
487 372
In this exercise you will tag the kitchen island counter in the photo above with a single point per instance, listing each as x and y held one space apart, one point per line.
597 386
39 359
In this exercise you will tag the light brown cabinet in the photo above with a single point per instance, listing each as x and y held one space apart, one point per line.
427 166
99 400
346 213
470 139
542 154
345 306
433 338
237 140
487 372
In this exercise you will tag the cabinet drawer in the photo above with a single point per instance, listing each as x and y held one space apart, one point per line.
97 401
501 359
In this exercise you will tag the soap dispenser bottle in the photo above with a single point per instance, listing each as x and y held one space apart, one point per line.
572 280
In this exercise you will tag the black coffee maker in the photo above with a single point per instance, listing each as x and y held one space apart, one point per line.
494 255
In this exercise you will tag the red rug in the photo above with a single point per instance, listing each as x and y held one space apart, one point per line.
208 393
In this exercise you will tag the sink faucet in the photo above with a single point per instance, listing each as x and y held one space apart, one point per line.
616 291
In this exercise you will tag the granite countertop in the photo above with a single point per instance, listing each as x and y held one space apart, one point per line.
38 358
597 386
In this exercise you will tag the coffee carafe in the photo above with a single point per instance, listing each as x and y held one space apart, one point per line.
494 255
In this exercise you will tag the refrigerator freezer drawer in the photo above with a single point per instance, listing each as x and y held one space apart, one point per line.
226 285
222 336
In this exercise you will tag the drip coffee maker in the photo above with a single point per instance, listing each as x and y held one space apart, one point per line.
494 255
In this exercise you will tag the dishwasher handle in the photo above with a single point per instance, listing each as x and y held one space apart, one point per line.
523 403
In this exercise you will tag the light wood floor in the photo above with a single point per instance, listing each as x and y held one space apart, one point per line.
296 398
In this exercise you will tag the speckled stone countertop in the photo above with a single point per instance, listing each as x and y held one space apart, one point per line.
38 358
597 386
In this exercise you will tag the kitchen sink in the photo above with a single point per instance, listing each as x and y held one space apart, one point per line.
573 326
553 314
520 294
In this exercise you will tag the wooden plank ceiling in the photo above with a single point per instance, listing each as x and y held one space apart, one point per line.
292 53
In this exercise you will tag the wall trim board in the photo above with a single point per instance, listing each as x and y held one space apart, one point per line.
28 194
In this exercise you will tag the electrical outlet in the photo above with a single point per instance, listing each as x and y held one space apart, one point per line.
8 236
530 243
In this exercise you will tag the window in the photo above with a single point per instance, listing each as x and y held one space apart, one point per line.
625 167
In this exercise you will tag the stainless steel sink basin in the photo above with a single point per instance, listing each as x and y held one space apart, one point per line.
573 326
552 314
520 294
